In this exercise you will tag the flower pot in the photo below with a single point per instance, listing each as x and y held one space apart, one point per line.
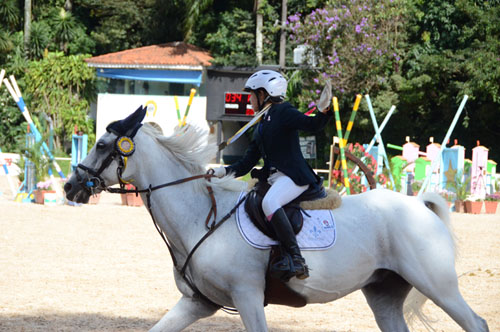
131 199
491 206
94 199
473 207
39 195
459 206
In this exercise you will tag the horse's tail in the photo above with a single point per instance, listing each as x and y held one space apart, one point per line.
415 301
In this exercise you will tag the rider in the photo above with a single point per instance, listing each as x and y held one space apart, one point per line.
276 140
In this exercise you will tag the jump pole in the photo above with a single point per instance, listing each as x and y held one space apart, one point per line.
16 95
191 95
374 139
350 124
178 112
341 145
379 138
2 160
437 161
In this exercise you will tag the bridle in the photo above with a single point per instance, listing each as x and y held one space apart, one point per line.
124 147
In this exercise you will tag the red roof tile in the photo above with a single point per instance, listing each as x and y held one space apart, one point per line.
174 54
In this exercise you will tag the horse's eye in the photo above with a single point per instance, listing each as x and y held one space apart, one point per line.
100 145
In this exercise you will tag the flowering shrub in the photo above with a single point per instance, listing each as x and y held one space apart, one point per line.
493 197
44 185
355 179
355 43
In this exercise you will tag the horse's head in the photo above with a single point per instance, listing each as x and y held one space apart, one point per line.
106 161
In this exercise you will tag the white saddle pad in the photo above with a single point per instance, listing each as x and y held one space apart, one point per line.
318 231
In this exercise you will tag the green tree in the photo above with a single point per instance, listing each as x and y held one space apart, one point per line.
62 87
453 50
233 43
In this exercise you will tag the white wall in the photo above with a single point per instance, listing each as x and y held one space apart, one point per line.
161 109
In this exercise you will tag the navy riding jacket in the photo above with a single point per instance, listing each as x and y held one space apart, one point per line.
276 140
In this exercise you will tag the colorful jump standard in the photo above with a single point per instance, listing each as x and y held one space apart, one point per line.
436 161
350 124
16 95
191 95
341 145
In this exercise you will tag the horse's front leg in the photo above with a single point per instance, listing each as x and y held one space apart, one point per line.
183 314
250 305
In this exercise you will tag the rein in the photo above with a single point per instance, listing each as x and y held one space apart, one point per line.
211 229
124 148
97 181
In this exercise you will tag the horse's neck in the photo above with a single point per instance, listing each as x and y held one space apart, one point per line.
180 210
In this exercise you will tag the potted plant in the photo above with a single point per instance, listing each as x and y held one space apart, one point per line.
415 187
42 189
34 158
131 199
491 203
473 205
460 187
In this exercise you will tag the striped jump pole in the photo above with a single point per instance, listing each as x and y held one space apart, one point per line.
379 139
350 124
16 95
191 95
437 161
341 145
178 112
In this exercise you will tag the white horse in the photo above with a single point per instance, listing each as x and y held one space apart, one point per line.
387 243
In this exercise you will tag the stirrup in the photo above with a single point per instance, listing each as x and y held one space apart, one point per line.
302 272
285 268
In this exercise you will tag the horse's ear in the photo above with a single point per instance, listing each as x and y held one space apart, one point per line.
130 125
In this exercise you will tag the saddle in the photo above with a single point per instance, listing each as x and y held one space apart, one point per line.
277 291
293 210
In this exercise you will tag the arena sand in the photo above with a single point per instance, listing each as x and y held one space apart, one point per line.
104 268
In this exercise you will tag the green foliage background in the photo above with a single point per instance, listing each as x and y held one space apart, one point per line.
434 52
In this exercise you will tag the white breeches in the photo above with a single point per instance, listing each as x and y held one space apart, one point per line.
283 190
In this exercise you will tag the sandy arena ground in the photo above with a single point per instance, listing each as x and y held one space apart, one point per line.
104 268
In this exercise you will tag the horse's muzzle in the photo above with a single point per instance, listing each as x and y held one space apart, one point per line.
75 192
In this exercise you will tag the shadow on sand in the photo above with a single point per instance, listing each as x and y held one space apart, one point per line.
89 322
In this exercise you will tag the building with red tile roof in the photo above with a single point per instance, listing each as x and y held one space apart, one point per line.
160 77
174 55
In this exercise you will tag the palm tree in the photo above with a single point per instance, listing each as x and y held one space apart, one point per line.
9 14
27 27
64 26
195 9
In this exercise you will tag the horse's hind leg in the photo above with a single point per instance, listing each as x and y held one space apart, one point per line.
183 314
446 295
433 274
385 296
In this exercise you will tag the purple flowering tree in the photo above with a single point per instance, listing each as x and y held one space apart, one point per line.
357 44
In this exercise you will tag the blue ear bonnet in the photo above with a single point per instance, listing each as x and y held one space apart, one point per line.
128 126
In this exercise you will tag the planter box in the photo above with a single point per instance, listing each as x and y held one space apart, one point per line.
473 207
491 206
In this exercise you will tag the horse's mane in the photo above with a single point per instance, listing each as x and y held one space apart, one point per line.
194 148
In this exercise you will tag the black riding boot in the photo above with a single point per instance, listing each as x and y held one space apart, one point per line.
285 234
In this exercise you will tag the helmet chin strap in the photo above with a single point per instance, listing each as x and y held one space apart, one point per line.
261 105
